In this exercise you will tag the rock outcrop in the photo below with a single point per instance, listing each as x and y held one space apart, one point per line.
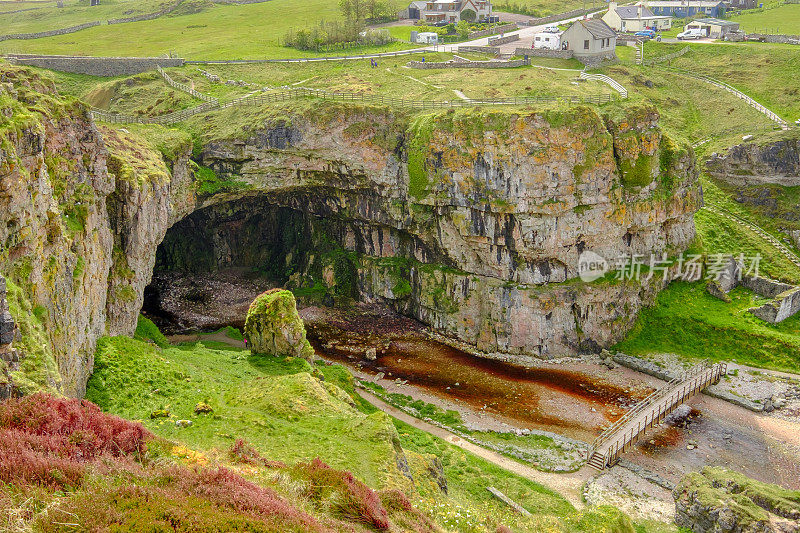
273 326
9 359
758 163
722 501
470 220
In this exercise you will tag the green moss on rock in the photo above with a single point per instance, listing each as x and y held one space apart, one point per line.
273 326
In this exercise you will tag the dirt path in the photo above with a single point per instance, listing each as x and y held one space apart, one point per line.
567 485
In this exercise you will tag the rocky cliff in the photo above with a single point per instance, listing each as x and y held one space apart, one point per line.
718 500
470 220
773 160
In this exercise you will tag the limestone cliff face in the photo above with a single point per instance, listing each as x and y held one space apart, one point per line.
489 212
758 163
55 239
470 220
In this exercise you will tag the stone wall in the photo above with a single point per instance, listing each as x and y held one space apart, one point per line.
50 33
493 31
773 38
541 52
497 41
469 64
97 66
479 49
596 59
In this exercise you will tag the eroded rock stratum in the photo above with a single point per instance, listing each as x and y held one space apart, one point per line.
471 221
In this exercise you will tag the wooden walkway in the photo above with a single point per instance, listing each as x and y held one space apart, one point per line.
607 448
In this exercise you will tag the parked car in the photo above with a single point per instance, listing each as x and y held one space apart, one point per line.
650 34
551 29
694 33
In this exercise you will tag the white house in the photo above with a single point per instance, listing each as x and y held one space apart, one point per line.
635 18
447 11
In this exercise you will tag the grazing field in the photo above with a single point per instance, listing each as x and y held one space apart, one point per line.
47 16
768 73
542 8
251 31
784 19
148 93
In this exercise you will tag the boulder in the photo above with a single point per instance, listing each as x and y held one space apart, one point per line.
717 500
273 326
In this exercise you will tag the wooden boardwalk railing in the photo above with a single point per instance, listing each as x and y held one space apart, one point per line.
625 432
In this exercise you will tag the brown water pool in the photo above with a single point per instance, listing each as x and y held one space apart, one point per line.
569 402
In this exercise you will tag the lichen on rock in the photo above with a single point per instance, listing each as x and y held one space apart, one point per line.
273 326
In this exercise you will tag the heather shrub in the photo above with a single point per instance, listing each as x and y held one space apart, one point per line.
243 452
48 441
151 508
343 493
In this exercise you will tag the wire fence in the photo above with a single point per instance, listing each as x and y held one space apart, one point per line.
272 97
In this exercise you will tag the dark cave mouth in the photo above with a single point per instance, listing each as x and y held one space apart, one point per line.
213 263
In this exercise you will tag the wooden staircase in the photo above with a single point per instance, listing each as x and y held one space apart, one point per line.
606 450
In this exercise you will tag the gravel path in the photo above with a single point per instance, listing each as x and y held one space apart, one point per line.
568 485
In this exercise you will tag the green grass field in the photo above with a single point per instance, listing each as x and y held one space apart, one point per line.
49 17
542 8
288 415
688 321
250 31
690 109
784 19
768 73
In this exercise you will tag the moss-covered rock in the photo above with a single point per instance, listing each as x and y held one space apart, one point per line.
273 326
718 500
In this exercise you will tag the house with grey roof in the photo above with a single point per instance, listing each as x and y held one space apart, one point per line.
635 18
591 41
688 8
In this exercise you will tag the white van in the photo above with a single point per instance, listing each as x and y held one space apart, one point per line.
547 41
692 33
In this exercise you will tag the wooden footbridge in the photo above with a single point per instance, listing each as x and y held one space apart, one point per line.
607 448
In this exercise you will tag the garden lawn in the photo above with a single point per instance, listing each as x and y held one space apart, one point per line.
688 321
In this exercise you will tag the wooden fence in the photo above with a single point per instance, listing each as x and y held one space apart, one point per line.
267 98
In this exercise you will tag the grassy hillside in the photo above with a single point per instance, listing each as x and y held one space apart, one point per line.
782 19
46 16
768 73
290 411
217 32
688 321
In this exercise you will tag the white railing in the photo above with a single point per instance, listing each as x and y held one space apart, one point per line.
722 85
185 88
623 92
